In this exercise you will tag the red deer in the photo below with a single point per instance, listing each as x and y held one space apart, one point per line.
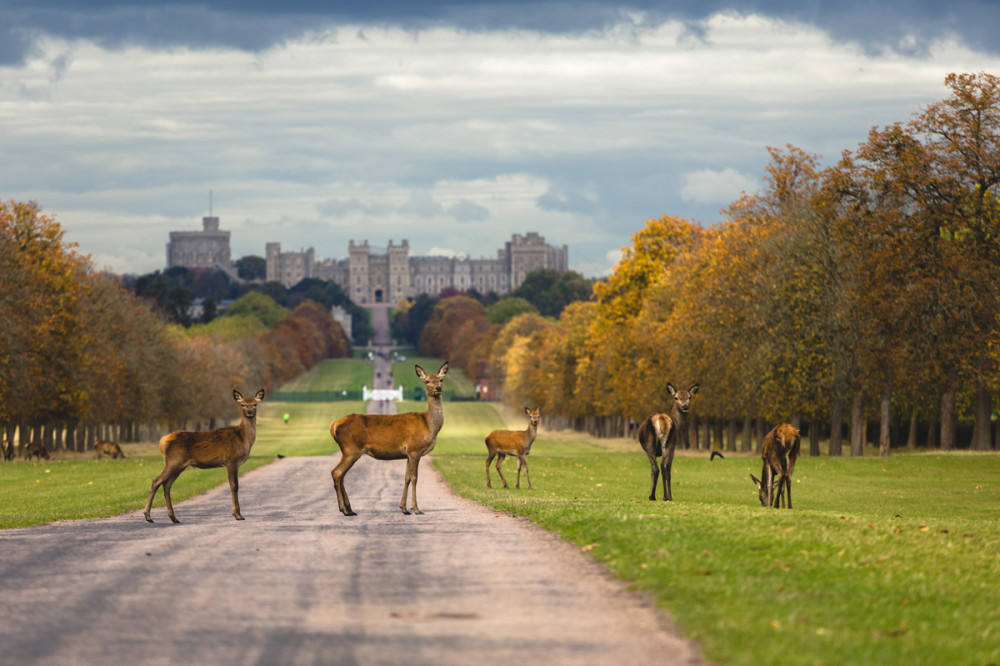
110 448
389 437
7 450
35 450
658 437
227 447
779 452
503 443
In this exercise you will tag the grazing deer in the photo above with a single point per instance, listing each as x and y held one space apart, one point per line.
390 437
227 447
503 443
36 450
110 448
8 450
779 452
658 436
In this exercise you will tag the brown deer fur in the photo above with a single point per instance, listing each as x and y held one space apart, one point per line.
779 452
227 447
110 448
503 443
658 436
390 437
8 450
35 450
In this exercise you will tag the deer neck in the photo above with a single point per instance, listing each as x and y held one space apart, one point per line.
531 432
434 414
677 416
248 429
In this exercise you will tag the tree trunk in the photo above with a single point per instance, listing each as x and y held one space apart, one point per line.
717 443
858 424
885 413
747 445
981 441
814 437
761 433
911 438
695 433
836 426
948 426
731 435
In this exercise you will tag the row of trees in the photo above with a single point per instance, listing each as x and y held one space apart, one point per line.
79 352
864 291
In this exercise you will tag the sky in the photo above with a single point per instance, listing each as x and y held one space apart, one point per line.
450 124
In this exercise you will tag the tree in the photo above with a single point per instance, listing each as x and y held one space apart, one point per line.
550 291
251 267
507 308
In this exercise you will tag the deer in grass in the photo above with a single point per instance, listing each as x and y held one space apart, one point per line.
390 437
503 443
779 452
7 451
110 448
227 447
35 450
658 436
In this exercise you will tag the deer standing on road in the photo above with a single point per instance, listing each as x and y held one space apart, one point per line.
390 437
503 443
658 437
227 447
779 452
110 448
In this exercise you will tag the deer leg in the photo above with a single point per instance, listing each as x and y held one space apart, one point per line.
489 460
779 484
338 472
788 475
500 459
157 482
523 462
168 484
234 487
667 462
410 477
654 474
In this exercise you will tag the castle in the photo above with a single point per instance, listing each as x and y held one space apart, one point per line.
208 248
368 277
375 277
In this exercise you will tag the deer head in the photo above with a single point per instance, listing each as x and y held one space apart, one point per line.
762 489
535 417
433 383
682 399
248 405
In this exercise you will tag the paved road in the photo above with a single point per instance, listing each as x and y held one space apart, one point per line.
298 583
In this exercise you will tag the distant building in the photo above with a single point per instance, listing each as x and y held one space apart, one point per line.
368 277
208 248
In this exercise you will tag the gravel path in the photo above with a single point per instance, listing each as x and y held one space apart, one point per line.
298 583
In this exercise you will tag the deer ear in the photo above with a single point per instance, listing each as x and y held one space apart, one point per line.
443 370
420 371
259 396
527 411
755 480
237 396
693 389
670 389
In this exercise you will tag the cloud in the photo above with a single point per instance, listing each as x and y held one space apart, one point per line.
468 211
707 186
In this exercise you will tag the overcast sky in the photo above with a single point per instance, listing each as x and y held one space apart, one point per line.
450 124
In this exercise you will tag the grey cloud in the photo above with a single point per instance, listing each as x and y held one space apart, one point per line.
905 25
468 211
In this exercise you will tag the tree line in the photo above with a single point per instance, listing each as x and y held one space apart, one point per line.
865 292
82 357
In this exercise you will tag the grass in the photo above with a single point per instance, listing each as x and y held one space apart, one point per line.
889 561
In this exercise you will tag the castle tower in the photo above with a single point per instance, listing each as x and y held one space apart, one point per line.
399 271
358 258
